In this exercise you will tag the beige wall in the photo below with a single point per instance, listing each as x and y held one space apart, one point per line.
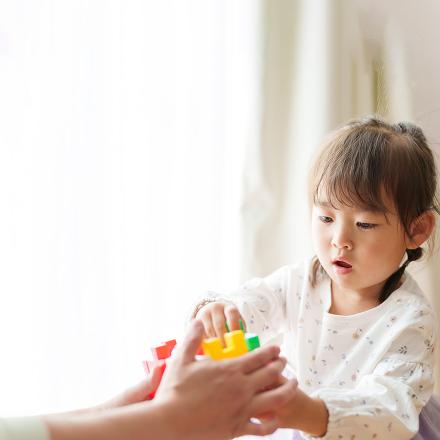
416 25
324 62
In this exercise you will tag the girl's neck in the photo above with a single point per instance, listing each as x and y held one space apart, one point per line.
350 302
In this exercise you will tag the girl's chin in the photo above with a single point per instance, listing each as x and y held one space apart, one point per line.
341 271
347 281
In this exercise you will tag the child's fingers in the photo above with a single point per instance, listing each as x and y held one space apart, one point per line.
233 317
271 400
209 327
264 427
208 317
218 321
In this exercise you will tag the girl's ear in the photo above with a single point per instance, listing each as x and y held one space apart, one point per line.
420 229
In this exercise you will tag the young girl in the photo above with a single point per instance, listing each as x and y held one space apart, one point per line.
358 330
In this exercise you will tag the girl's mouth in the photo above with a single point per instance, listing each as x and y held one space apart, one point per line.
341 267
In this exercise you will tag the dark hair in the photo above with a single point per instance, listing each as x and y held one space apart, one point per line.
369 157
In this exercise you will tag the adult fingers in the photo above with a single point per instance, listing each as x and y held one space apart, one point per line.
136 393
153 380
191 341
254 360
267 376
232 317
269 401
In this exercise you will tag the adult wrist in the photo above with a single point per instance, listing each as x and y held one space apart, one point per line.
71 427
136 422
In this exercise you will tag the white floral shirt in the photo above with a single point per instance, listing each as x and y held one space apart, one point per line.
373 369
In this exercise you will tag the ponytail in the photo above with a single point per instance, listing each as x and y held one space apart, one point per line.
392 283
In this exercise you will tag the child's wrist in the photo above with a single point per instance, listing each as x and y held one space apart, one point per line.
320 412
199 306
307 414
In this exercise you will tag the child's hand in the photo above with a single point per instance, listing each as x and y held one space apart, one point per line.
214 317
300 412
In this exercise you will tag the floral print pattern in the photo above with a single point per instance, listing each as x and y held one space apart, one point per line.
373 369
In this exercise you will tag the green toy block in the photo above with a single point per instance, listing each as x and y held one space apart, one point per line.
252 341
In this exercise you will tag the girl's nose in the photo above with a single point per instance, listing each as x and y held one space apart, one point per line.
341 240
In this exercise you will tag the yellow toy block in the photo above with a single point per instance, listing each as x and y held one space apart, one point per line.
235 344
212 347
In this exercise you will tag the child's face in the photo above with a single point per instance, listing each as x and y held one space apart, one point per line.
358 249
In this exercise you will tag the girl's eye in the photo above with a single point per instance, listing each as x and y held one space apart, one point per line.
366 225
325 219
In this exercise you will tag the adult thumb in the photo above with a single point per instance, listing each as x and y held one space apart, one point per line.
192 341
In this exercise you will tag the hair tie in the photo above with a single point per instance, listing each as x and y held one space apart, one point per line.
393 281
413 254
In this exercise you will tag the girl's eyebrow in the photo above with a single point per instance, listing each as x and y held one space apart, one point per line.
323 203
363 210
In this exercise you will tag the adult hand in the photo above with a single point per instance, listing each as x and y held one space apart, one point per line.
217 399
135 394
196 400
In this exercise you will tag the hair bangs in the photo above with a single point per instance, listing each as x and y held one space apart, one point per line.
354 171
346 190
377 166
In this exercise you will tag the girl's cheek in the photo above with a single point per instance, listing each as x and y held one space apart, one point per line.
319 240
316 233
315 241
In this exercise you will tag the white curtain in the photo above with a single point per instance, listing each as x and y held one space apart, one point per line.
152 150
123 126
317 74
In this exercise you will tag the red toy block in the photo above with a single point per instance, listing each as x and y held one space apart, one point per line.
164 350
160 354
146 367
149 365
171 343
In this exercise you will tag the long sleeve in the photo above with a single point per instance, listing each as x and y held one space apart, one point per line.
265 303
387 402
25 428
